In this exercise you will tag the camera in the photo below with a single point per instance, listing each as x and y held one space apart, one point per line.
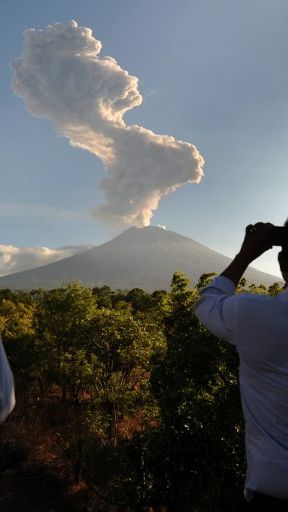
279 235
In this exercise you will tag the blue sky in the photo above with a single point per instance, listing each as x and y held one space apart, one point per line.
213 73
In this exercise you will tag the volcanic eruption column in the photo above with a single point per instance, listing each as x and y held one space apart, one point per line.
61 77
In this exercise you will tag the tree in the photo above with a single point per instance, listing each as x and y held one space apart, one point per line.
151 397
16 319
275 288
61 318
205 279
120 351
104 296
194 382
139 300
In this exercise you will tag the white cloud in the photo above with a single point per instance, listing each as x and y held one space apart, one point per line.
61 77
16 259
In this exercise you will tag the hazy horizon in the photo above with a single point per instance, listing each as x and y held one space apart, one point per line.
17 259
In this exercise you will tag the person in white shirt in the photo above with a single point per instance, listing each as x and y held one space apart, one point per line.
7 393
258 326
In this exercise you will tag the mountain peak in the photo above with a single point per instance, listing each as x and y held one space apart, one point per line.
137 258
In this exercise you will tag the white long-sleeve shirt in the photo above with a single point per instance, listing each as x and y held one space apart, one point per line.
7 394
258 326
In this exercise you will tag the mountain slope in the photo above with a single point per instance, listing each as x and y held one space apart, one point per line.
144 258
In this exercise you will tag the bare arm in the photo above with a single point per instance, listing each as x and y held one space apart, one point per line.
256 242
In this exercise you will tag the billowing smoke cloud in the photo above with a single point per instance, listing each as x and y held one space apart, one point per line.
16 259
61 77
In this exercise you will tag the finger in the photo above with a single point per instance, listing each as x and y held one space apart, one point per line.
249 228
265 227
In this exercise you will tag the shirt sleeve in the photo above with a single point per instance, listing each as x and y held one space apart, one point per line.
217 308
7 394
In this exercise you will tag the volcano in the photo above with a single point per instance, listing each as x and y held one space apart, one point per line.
137 258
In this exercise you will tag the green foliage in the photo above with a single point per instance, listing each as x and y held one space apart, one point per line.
205 279
195 384
104 296
63 310
139 300
152 398
16 320
275 288
61 318
121 352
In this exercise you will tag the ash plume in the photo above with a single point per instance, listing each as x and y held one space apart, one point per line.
62 77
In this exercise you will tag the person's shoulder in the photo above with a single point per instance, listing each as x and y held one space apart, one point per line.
253 297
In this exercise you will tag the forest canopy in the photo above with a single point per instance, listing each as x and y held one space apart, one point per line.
136 400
